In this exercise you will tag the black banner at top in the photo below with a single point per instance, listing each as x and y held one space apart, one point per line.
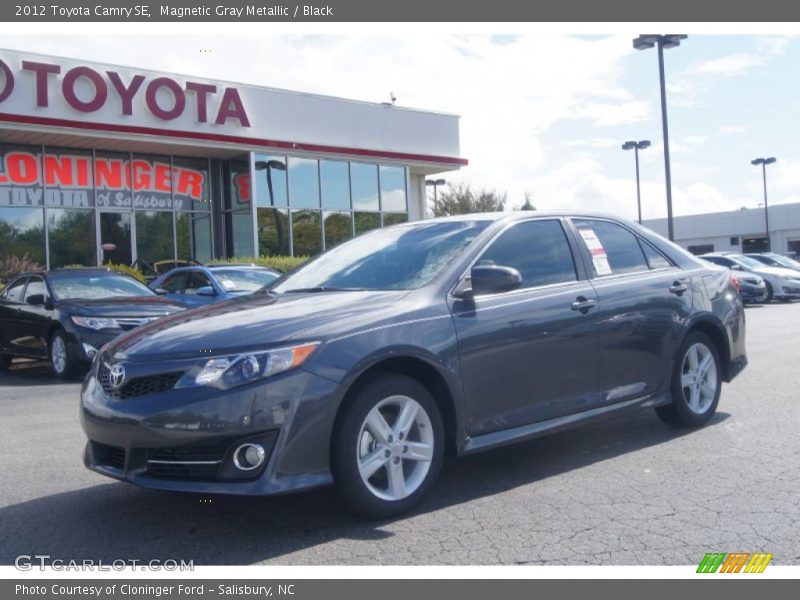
405 11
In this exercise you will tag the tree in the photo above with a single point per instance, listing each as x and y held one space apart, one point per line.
528 204
461 199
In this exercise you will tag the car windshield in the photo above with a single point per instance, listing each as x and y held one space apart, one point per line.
244 280
750 263
398 258
96 287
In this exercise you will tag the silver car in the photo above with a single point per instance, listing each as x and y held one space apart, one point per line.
782 284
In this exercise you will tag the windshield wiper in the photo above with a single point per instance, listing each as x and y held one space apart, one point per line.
323 288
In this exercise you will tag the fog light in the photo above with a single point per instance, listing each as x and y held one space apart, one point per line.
249 456
90 351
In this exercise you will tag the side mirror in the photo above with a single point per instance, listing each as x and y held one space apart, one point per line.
35 300
494 279
160 291
206 290
736 268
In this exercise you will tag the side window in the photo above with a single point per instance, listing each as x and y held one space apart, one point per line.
195 281
613 248
537 249
35 286
14 292
174 284
655 259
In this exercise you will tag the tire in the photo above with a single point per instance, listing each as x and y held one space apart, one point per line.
369 439
770 294
62 360
693 406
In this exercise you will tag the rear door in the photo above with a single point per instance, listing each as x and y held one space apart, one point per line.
529 354
645 302
10 305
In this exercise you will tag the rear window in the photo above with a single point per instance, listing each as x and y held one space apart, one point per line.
613 248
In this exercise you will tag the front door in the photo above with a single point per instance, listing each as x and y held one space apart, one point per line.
530 354
115 229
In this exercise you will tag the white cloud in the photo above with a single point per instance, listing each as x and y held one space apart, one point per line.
732 129
729 66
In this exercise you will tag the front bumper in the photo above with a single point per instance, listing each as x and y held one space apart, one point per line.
183 439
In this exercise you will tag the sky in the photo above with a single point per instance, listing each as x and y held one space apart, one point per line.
540 114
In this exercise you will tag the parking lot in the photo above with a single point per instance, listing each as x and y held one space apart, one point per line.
624 490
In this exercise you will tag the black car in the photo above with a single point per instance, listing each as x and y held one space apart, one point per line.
67 315
369 363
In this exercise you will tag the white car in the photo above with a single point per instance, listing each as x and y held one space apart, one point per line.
782 284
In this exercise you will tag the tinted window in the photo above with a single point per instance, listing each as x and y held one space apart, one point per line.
654 258
537 249
35 286
195 281
174 283
613 248
718 260
14 292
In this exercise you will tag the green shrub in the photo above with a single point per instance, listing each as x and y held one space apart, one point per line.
126 270
278 263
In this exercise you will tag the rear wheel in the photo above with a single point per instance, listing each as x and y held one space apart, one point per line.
61 357
770 294
696 383
388 448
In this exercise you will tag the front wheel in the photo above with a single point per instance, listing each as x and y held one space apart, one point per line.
696 383
770 294
388 448
61 357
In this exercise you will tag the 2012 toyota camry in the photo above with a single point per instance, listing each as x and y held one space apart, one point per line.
367 365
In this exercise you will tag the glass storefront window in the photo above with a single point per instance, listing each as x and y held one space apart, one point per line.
115 228
191 186
364 180
366 221
68 178
338 228
154 239
70 234
270 182
193 232
393 189
335 182
238 186
303 183
307 232
273 231
20 176
112 177
22 233
152 182
394 218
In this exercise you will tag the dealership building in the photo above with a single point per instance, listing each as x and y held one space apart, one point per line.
106 163
737 230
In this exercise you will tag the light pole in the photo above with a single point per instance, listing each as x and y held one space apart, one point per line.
636 146
673 40
435 183
268 165
763 162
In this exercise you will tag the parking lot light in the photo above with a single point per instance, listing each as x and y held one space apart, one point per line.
763 162
636 146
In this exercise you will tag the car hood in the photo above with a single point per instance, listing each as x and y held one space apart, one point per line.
131 306
257 321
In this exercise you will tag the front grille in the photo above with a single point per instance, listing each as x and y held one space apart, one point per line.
109 456
138 386
185 462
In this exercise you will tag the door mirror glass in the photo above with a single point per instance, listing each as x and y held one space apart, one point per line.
206 290
494 279
736 268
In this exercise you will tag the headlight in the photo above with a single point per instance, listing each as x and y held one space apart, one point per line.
95 323
237 369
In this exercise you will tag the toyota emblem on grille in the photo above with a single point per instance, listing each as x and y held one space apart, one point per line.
117 376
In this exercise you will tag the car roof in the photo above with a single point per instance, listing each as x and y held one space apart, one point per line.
523 214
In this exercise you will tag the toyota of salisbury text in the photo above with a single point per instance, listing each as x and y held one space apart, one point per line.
448 336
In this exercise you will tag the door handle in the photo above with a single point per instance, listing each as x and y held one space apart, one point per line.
678 288
583 305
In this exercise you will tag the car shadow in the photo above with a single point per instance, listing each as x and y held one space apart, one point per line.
116 520
33 372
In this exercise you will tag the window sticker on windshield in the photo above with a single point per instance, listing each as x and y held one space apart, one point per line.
599 256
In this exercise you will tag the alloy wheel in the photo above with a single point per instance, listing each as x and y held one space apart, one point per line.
58 354
699 378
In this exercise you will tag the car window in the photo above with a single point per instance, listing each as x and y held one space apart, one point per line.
13 293
539 250
655 259
244 280
613 248
718 260
35 286
194 281
174 284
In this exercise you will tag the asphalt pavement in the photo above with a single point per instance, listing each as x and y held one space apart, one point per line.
625 490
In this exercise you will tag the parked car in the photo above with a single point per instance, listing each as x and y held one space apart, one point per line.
771 259
782 284
66 315
752 288
195 286
367 364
